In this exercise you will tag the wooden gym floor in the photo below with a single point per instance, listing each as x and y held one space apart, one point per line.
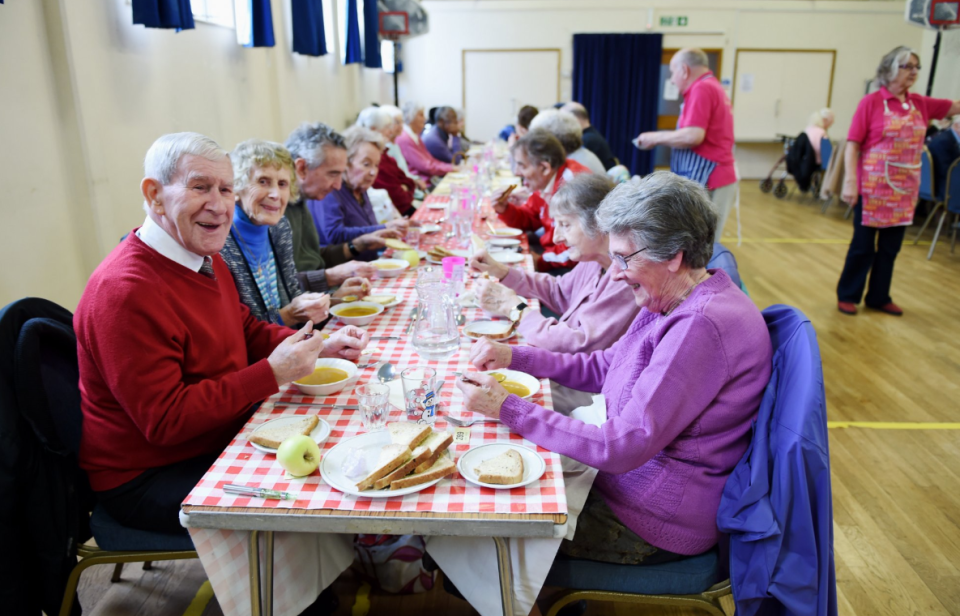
896 479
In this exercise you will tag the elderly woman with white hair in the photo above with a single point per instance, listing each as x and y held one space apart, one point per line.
390 176
347 213
817 127
564 126
394 150
414 150
259 248
682 386
884 145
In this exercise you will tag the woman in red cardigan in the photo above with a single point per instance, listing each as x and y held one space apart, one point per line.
390 176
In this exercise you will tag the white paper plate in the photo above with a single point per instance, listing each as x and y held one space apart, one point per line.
318 434
481 322
505 256
429 228
534 466
507 242
530 382
395 302
369 444
506 232
438 206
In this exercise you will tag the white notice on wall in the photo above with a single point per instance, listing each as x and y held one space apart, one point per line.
670 91
746 82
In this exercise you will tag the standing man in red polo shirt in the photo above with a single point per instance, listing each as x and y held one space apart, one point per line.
703 141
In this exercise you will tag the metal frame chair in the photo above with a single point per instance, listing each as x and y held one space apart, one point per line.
56 360
950 204
708 600
928 190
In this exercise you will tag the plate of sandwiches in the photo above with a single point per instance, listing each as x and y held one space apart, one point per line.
386 300
494 329
268 436
404 458
437 254
501 466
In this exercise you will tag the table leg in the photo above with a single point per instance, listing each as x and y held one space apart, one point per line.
254 566
268 575
506 575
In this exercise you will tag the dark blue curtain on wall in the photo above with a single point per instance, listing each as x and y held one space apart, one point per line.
371 35
262 21
309 37
354 53
617 78
174 14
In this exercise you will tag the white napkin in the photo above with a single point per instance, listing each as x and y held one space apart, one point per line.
594 414
396 393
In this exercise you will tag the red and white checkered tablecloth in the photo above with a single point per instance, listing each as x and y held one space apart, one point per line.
306 564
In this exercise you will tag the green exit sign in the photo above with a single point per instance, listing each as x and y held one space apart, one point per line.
673 20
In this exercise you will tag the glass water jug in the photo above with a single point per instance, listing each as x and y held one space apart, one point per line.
435 332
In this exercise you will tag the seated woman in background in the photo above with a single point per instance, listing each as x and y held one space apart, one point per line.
390 177
595 311
347 213
682 386
259 249
820 123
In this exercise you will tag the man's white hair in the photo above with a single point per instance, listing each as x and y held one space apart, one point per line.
164 155
692 57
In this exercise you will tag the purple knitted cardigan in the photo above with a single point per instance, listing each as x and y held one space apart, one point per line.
681 393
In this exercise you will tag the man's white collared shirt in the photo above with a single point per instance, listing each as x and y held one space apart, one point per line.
156 237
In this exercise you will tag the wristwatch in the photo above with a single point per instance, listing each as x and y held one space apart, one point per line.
517 311
353 249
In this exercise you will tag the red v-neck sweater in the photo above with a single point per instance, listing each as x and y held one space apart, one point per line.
170 363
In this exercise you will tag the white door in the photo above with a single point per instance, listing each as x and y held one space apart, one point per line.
497 83
777 91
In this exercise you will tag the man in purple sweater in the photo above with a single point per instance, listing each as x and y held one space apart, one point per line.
682 386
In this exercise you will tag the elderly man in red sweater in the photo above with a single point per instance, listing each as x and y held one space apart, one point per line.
539 158
171 362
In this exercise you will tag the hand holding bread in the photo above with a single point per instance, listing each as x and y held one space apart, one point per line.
485 263
496 298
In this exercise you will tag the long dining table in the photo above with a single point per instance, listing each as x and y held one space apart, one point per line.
265 555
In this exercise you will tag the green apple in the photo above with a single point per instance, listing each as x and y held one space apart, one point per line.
298 455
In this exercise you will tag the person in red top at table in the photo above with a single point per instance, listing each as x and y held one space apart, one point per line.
703 141
884 145
540 160
171 362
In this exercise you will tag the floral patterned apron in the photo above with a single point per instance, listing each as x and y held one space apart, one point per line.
890 180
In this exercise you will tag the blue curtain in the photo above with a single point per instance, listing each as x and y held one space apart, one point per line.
354 53
309 37
163 14
371 35
262 20
617 78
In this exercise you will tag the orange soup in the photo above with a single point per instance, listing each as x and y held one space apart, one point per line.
356 311
382 265
324 376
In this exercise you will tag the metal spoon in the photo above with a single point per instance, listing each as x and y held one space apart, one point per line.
387 372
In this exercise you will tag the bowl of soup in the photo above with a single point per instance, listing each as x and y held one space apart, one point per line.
357 313
515 382
390 268
329 376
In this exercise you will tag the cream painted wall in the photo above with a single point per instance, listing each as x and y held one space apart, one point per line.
85 94
861 32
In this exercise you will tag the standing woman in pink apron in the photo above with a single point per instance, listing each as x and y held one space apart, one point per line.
884 146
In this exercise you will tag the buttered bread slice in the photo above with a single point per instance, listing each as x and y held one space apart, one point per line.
391 457
505 469
272 436
408 433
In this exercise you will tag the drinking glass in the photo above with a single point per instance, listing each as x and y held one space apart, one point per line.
412 237
374 405
419 393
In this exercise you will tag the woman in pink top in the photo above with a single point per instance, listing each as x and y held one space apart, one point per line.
820 123
884 146
594 309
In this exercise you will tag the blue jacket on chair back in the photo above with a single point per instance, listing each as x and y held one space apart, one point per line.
777 504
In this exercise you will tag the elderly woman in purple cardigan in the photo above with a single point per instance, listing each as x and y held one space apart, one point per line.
682 386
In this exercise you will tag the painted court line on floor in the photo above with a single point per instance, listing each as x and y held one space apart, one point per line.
200 600
894 425
730 241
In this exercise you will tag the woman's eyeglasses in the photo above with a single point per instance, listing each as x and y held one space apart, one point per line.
910 67
621 261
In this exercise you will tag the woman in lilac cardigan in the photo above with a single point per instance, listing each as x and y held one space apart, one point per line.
682 386
594 309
